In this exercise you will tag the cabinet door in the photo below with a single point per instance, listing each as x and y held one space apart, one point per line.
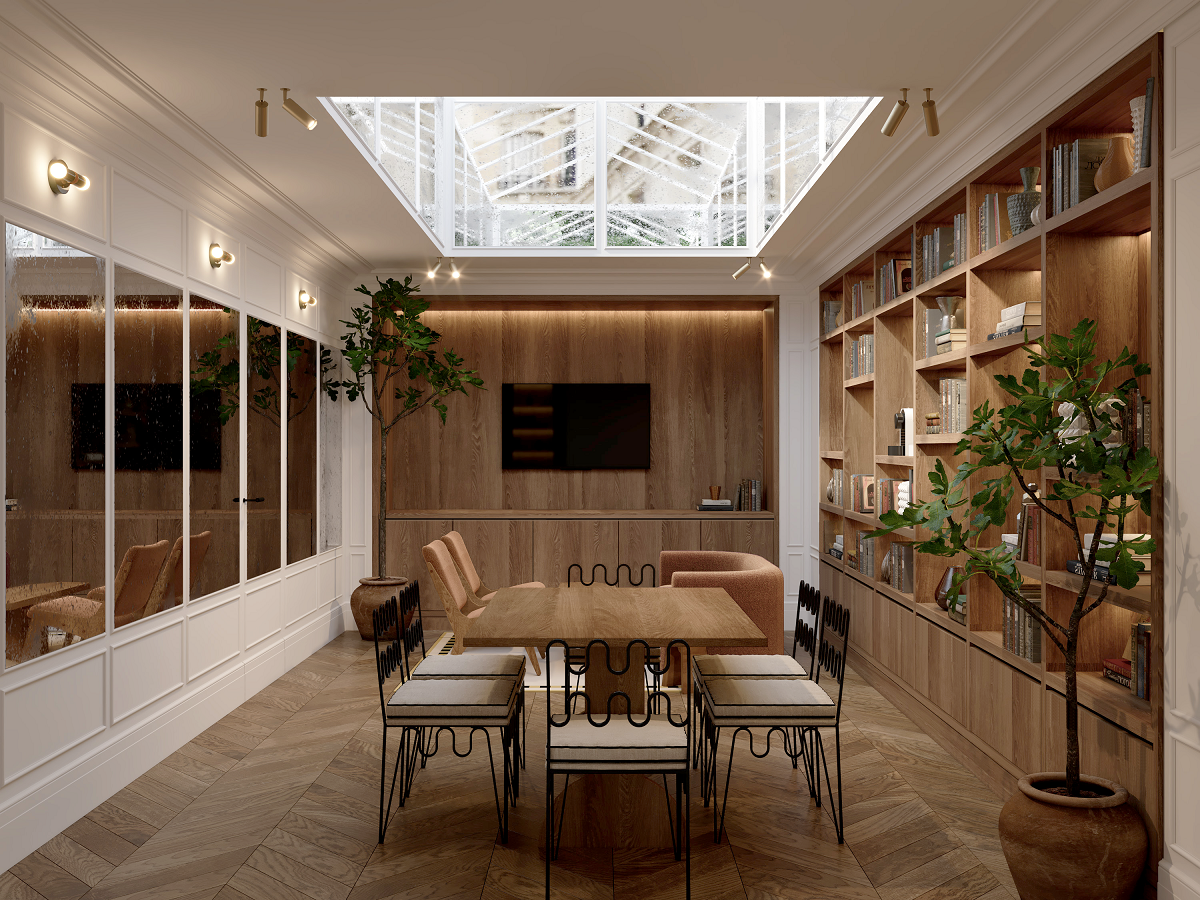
947 662
558 543
405 539
502 549
639 542
741 535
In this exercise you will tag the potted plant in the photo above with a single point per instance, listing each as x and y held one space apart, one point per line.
1063 833
396 369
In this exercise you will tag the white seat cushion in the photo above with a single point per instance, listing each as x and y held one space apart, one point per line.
759 666
471 665
463 700
619 744
767 700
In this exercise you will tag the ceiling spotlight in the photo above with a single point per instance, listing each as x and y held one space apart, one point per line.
217 256
741 271
62 178
454 273
297 111
434 270
307 300
762 264
897 113
260 113
930 110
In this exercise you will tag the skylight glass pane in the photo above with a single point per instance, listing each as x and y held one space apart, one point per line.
676 173
360 113
407 145
524 174
840 113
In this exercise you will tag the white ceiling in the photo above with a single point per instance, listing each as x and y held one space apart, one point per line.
208 58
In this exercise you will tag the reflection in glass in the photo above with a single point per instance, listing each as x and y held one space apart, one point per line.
331 453
215 499
148 445
54 491
263 489
302 447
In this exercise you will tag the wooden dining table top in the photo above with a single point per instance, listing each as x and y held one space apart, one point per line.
22 595
529 617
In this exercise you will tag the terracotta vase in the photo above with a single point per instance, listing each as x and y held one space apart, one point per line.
942 591
1072 848
1118 165
371 594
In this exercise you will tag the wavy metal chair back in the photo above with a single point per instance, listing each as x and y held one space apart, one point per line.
629 573
389 653
808 625
831 656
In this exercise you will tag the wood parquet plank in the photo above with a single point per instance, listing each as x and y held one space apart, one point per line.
75 859
289 871
108 846
13 888
125 825
51 880
329 864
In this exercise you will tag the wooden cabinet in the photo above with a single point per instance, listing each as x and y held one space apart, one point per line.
639 541
559 543
405 538
742 535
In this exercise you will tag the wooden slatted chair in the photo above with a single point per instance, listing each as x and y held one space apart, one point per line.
799 709
427 707
616 739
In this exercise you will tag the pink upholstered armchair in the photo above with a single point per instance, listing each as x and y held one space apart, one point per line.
755 584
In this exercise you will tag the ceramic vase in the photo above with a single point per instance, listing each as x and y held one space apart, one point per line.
1117 165
1021 206
950 307
942 591
371 594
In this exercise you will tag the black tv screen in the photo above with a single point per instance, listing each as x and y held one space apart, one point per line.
148 428
576 426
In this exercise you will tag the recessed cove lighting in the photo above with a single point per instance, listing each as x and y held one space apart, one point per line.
62 178
297 111
307 300
217 256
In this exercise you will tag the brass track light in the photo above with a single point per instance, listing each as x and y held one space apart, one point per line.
217 256
307 300
62 178
260 113
930 110
454 273
432 272
762 264
741 270
897 113
297 111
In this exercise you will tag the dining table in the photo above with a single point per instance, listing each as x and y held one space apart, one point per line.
18 598
607 810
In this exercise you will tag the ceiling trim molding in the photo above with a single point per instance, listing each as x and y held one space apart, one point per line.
273 211
1099 37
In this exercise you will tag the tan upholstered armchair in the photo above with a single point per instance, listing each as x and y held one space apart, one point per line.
460 609
755 584
168 589
83 617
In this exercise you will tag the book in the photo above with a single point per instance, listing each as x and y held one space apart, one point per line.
1019 322
703 508
1086 156
716 502
1117 670
1101 573
1028 308
1147 133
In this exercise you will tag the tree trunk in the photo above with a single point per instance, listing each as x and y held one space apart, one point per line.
1072 696
381 555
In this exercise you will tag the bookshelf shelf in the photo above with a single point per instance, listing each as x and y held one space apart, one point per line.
1100 259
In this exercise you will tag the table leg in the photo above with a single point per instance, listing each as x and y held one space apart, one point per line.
16 626
599 684
622 811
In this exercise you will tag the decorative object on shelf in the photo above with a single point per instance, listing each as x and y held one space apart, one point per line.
1095 480
1035 215
371 594
714 491
946 584
1137 107
1101 861
829 490
1117 165
885 568
389 349
950 307
1021 206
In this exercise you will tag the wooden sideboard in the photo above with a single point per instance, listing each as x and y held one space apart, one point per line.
512 546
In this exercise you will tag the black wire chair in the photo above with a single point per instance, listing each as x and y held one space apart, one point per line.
650 743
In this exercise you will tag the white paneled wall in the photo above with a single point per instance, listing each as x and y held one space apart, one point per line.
1180 868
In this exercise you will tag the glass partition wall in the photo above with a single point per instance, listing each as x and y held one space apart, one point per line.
76 431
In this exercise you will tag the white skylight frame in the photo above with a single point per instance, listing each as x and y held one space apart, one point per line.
439 223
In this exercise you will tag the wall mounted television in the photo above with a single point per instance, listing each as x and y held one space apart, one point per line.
576 426
148 427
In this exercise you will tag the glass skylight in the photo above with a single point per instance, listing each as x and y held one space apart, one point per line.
529 175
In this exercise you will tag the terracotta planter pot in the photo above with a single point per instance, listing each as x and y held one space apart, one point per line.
1072 848
371 594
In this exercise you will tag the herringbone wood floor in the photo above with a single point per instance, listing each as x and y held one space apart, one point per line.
278 801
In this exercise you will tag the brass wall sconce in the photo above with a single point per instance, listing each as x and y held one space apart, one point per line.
307 300
217 256
62 178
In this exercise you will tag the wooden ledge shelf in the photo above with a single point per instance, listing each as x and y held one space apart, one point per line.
862 518
1005 344
1029 572
993 642
1135 599
402 514
860 381
1022 252
895 461
926 439
955 359
899 596
1108 699
865 322
861 577
830 335
1122 209
901 306
831 561
940 617
830 508
952 281
832 454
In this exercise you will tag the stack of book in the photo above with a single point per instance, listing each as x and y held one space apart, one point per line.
994 228
831 315
836 550
894 494
862 299
862 355
944 249
715 506
955 413
1134 669
749 495
1015 319
865 555
902 567
1141 127
1135 422
1073 169
954 339
1022 631
862 493
836 476
894 279
1029 533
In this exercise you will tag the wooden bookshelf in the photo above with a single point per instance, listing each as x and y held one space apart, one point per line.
1101 259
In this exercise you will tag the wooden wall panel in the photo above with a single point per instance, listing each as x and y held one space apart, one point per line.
405 540
502 549
639 541
557 543
947 662
860 598
740 535
991 687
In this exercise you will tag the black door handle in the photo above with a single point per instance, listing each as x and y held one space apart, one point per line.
250 499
